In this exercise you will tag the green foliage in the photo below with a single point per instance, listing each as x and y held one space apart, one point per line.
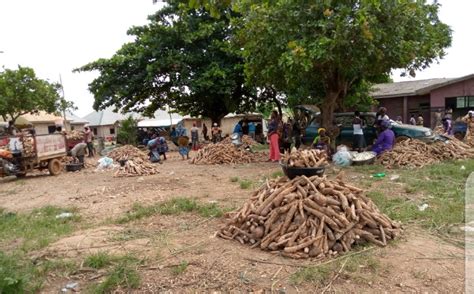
98 260
19 274
123 274
174 206
21 92
180 268
331 51
234 179
36 229
245 184
127 133
183 59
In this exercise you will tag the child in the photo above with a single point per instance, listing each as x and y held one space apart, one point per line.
359 140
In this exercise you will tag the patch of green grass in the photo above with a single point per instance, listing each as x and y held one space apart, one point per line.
260 147
174 206
180 268
245 184
20 274
353 266
312 274
441 186
130 234
234 179
277 174
37 229
123 274
98 260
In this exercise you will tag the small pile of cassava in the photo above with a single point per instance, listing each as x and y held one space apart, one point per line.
75 135
226 153
415 153
308 217
246 140
305 158
135 162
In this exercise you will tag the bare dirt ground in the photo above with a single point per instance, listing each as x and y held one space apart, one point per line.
418 262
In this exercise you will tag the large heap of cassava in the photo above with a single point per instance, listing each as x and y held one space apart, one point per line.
135 162
308 217
225 152
415 153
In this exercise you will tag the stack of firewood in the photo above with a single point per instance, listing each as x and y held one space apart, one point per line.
308 217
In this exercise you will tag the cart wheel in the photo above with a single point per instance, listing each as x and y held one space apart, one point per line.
54 167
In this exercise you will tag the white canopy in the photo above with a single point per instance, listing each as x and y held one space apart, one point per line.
150 123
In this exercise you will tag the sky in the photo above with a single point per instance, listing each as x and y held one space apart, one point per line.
56 36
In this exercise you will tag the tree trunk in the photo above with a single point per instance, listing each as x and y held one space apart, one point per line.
327 109
278 103
217 119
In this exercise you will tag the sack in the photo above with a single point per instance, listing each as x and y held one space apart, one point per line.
342 157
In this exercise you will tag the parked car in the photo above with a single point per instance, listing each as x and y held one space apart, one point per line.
344 121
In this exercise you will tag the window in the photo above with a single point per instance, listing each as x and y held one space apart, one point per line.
464 101
72 128
112 131
94 130
51 129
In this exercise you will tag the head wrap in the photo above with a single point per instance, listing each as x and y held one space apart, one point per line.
321 130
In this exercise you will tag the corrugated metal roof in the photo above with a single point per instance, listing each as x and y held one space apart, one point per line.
409 88
74 119
109 117
41 117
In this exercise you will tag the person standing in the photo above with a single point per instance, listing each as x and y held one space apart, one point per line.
194 137
399 120
252 129
204 132
183 141
382 115
385 140
448 126
88 136
469 120
437 119
412 120
216 133
419 120
238 129
274 137
296 133
357 126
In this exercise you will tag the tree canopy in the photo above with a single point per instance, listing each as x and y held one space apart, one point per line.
326 49
183 59
21 92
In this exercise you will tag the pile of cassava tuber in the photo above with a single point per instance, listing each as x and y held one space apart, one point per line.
305 158
28 143
75 135
135 162
246 140
308 217
415 153
226 153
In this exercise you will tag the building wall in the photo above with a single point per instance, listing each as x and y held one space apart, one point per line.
42 128
104 131
414 105
464 88
78 127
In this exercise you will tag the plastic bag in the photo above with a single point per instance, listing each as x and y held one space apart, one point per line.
105 163
342 157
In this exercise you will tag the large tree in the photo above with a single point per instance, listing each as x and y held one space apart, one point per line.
183 59
328 50
21 92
